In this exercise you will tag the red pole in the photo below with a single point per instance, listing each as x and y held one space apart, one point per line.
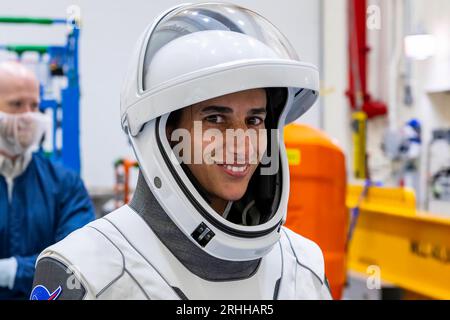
357 92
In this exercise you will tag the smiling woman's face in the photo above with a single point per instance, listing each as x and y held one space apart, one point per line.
227 177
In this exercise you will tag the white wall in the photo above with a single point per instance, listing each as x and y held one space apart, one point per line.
430 75
334 77
109 32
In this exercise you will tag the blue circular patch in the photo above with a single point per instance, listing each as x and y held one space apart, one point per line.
42 293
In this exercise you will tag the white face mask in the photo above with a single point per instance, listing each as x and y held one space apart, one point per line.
21 132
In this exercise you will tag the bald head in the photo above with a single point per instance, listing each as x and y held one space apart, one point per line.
19 88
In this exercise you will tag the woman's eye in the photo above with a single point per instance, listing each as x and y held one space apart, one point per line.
255 121
215 118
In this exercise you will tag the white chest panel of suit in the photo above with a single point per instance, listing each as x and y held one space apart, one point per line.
120 257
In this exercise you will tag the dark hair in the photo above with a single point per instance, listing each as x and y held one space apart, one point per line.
174 119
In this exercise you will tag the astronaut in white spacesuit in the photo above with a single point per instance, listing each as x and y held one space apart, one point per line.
204 222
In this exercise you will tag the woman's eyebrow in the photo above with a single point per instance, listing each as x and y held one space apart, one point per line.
257 111
216 109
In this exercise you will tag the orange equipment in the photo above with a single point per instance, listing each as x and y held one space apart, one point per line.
317 207
122 187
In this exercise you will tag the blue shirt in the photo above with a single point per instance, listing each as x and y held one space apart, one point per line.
48 202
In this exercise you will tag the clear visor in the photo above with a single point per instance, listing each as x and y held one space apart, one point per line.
229 153
191 19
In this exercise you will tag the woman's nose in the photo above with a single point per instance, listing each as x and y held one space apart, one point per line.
241 145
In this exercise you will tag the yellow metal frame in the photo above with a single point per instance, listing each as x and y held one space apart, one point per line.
359 127
411 249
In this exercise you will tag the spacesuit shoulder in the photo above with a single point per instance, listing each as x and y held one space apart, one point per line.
307 253
89 253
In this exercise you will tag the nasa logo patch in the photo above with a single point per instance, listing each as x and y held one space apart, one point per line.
42 293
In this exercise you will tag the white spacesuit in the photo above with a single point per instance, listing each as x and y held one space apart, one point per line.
169 243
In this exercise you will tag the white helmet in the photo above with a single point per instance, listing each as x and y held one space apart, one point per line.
193 53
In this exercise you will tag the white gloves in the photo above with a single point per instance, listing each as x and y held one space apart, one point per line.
8 269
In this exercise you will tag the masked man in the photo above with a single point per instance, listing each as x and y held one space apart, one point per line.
206 218
40 202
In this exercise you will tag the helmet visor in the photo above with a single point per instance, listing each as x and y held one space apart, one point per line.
227 32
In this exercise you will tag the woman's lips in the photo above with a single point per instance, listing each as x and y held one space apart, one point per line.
235 170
